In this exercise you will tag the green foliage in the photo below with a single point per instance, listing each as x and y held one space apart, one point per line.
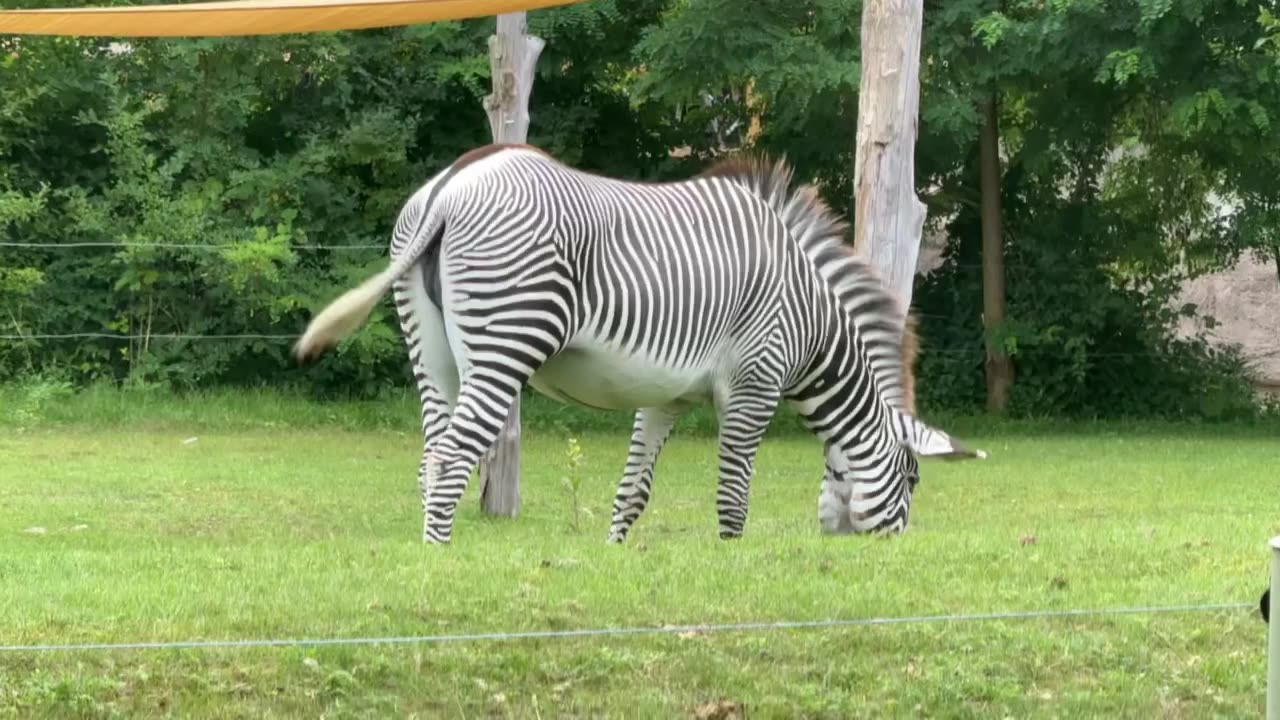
1086 340
29 403
248 153
1138 138
1122 124
800 60
572 481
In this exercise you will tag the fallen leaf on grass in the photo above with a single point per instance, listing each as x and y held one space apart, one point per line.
561 563
719 710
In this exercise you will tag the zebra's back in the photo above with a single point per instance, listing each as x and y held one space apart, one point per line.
672 285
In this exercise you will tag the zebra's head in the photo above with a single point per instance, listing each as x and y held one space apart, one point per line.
881 502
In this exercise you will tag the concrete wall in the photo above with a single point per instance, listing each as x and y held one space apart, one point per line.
1245 303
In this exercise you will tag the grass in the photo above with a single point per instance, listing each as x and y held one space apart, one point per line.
288 518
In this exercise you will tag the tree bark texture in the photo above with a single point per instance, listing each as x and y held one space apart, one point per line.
999 370
888 217
513 56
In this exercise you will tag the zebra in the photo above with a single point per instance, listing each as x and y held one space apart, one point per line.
510 268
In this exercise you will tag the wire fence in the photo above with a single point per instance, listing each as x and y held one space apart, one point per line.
632 631
175 246
212 247
220 246
955 355
952 354
976 354
161 336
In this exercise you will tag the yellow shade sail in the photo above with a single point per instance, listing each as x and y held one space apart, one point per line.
251 17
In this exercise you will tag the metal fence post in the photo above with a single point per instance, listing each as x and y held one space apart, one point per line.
1273 635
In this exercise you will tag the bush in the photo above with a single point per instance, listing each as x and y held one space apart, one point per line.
1087 340
253 156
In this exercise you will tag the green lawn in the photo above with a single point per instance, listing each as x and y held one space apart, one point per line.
265 528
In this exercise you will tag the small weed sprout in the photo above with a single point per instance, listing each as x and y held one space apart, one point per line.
573 479
38 395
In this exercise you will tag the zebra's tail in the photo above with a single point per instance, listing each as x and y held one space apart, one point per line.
342 316
351 310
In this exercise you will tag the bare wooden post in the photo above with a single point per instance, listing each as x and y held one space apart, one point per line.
513 55
888 217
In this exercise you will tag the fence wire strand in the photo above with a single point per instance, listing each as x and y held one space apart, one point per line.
159 336
174 246
625 631
219 246
952 354
955 355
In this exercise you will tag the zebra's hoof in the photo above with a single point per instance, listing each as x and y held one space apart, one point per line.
730 534
616 538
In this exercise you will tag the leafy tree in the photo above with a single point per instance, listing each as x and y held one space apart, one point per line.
1122 122
255 155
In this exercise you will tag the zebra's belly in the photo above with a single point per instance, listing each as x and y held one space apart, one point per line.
600 377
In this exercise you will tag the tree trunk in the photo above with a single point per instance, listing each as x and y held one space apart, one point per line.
513 55
888 217
999 369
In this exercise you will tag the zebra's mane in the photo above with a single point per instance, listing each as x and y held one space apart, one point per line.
888 334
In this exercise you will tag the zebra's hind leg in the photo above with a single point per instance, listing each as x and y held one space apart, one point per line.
434 371
435 419
744 416
650 432
483 404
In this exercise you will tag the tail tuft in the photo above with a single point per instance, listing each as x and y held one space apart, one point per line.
342 317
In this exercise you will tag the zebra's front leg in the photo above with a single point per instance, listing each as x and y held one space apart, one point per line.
650 432
744 417
833 503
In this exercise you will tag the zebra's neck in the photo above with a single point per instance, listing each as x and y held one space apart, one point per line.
839 396
875 316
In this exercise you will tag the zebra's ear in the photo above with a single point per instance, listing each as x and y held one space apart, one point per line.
926 441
